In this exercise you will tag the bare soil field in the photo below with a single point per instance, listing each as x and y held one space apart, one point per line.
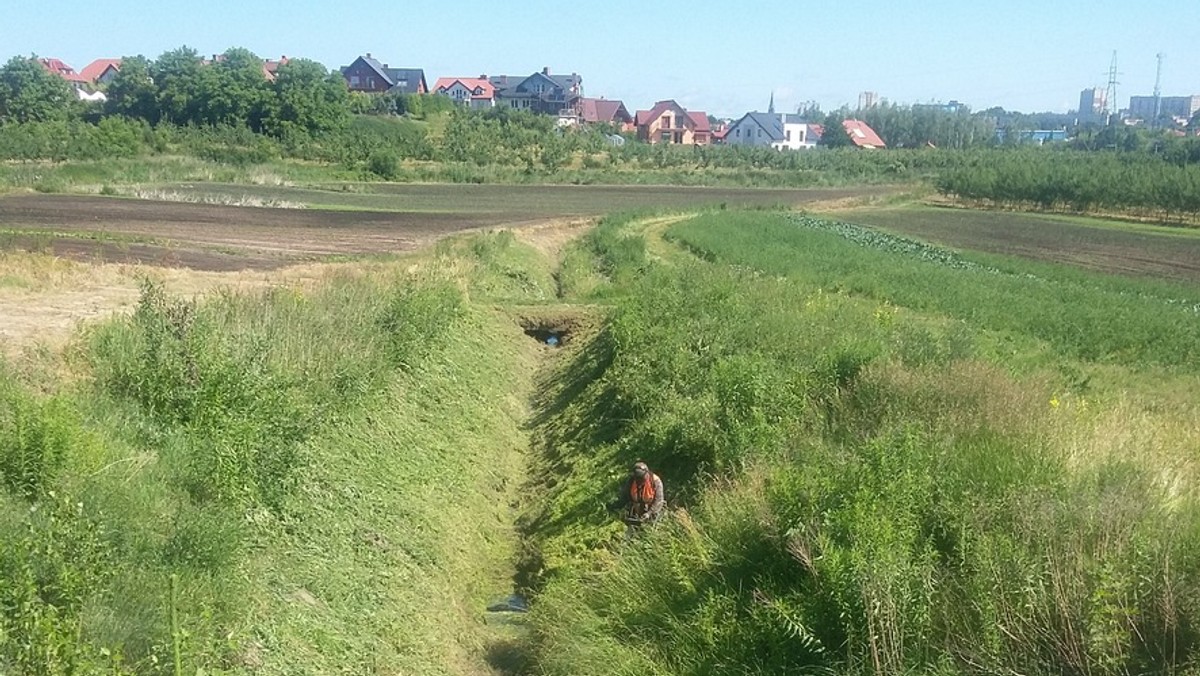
1111 247
519 200
210 237
401 218
90 252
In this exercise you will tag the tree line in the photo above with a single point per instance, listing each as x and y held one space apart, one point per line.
1137 183
181 88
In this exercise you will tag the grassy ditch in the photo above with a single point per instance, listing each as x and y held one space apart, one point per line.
273 482
866 475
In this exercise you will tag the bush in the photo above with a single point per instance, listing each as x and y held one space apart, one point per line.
384 164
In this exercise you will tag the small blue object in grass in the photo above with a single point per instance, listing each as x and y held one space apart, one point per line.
513 604
552 340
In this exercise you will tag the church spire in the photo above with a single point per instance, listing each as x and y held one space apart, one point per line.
771 106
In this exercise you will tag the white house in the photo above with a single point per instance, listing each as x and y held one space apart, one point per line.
780 131
797 134
468 91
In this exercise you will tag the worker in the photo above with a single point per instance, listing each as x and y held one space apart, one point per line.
644 495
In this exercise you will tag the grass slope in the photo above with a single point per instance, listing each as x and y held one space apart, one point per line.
858 484
274 481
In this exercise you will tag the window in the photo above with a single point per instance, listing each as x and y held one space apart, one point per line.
788 135
679 137
666 123
738 132
666 137
760 133
354 80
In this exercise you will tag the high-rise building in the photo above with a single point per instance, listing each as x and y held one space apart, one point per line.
1168 106
1092 103
868 100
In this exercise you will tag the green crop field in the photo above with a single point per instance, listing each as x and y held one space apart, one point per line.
1132 249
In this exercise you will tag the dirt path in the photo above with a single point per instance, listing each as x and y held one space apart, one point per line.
43 298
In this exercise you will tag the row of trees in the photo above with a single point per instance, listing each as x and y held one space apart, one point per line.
915 127
1068 180
180 88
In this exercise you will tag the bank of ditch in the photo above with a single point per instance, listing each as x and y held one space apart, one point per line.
297 480
862 479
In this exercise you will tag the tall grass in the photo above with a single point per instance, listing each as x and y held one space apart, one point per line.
274 482
857 486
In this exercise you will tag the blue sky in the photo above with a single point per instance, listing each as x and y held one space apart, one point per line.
722 57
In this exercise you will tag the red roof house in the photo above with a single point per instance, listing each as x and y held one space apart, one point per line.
669 122
862 135
270 68
61 69
101 71
476 92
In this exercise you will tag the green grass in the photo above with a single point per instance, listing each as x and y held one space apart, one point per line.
858 485
1082 316
869 468
276 481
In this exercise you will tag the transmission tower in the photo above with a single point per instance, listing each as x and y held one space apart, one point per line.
1158 90
1110 94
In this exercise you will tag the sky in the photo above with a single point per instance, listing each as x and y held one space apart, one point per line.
725 58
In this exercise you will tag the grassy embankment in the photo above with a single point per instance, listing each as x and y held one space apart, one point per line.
882 457
286 481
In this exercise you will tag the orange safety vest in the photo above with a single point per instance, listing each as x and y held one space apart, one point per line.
642 492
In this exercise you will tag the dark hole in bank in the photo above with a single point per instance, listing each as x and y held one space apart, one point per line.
548 336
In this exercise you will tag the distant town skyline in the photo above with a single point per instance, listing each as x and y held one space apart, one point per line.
721 58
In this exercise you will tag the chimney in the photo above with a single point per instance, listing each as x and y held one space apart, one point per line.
368 55
546 70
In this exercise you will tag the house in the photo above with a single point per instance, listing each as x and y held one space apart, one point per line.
367 74
61 69
82 86
669 122
541 92
474 92
755 129
271 68
101 71
593 111
862 135
780 131
798 134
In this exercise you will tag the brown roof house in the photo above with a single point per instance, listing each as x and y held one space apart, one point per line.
367 74
669 122
271 67
593 111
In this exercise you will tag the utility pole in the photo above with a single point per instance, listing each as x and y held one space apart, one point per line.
1110 95
1158 91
